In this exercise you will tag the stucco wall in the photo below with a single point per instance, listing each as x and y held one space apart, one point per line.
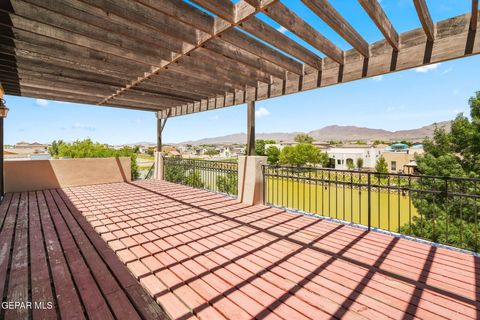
30 175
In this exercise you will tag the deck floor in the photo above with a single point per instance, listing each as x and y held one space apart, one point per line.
53 265
202 255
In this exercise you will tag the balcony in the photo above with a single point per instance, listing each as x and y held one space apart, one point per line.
201 254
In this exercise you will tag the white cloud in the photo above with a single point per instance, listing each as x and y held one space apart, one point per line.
396 108
262 112
41 102
282 29
448 70
427 68
82 126
378 78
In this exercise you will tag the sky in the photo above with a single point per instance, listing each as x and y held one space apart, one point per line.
402 100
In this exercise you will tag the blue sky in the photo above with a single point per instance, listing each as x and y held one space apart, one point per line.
402 100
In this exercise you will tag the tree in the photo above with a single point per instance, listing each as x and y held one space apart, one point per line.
211 152
228 183
88 149
350 165
304 138
359 163
303 154
54 147
381 165
442 218
273 155
260 146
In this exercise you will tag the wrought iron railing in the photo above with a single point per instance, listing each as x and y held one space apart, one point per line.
217 176
440 209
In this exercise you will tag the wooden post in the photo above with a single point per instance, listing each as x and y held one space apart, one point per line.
251 128
159 135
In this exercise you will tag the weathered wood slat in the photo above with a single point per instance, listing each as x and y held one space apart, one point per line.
290 20
68 301
39 274
184 12
376 13
425 18
222 8
327 13
245 57
474 19
263 31
18 285
116 298
116 28
95 305
240 39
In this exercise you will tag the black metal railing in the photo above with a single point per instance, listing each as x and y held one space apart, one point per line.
218 176
150 172
440 209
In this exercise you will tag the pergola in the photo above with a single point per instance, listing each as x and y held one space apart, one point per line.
178 57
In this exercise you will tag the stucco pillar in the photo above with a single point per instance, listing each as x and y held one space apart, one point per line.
250 179
158 169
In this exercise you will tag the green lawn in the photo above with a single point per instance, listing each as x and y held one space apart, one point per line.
389 210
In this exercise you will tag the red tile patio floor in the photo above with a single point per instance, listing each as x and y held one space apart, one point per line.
202 255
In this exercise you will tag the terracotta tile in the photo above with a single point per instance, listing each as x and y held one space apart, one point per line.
138 269
126 256
152 263
108 236
152 248
129 242
116 245
139 252
120 234
140 238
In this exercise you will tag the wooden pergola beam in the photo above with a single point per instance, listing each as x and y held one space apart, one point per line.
263 31
452 36
222 8
220 26
183 12
425 18
245 57
337 22
376 13
291 21
474 19
257 48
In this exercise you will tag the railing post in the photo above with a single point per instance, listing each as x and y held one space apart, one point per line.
159 166
369 193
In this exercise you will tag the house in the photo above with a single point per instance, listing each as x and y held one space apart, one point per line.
345 156
400 157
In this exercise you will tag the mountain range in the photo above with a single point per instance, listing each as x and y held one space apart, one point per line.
334 132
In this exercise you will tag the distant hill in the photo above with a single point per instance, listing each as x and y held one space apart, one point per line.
343 133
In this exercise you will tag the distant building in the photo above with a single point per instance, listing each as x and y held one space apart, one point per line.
400 157
26 145
341 156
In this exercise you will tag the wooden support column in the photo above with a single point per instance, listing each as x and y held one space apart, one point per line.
251 128
159 135
158 172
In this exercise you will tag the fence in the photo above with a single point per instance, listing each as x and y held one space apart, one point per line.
218 176
440 209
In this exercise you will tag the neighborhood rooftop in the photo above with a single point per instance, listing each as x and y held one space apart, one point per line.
179 58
